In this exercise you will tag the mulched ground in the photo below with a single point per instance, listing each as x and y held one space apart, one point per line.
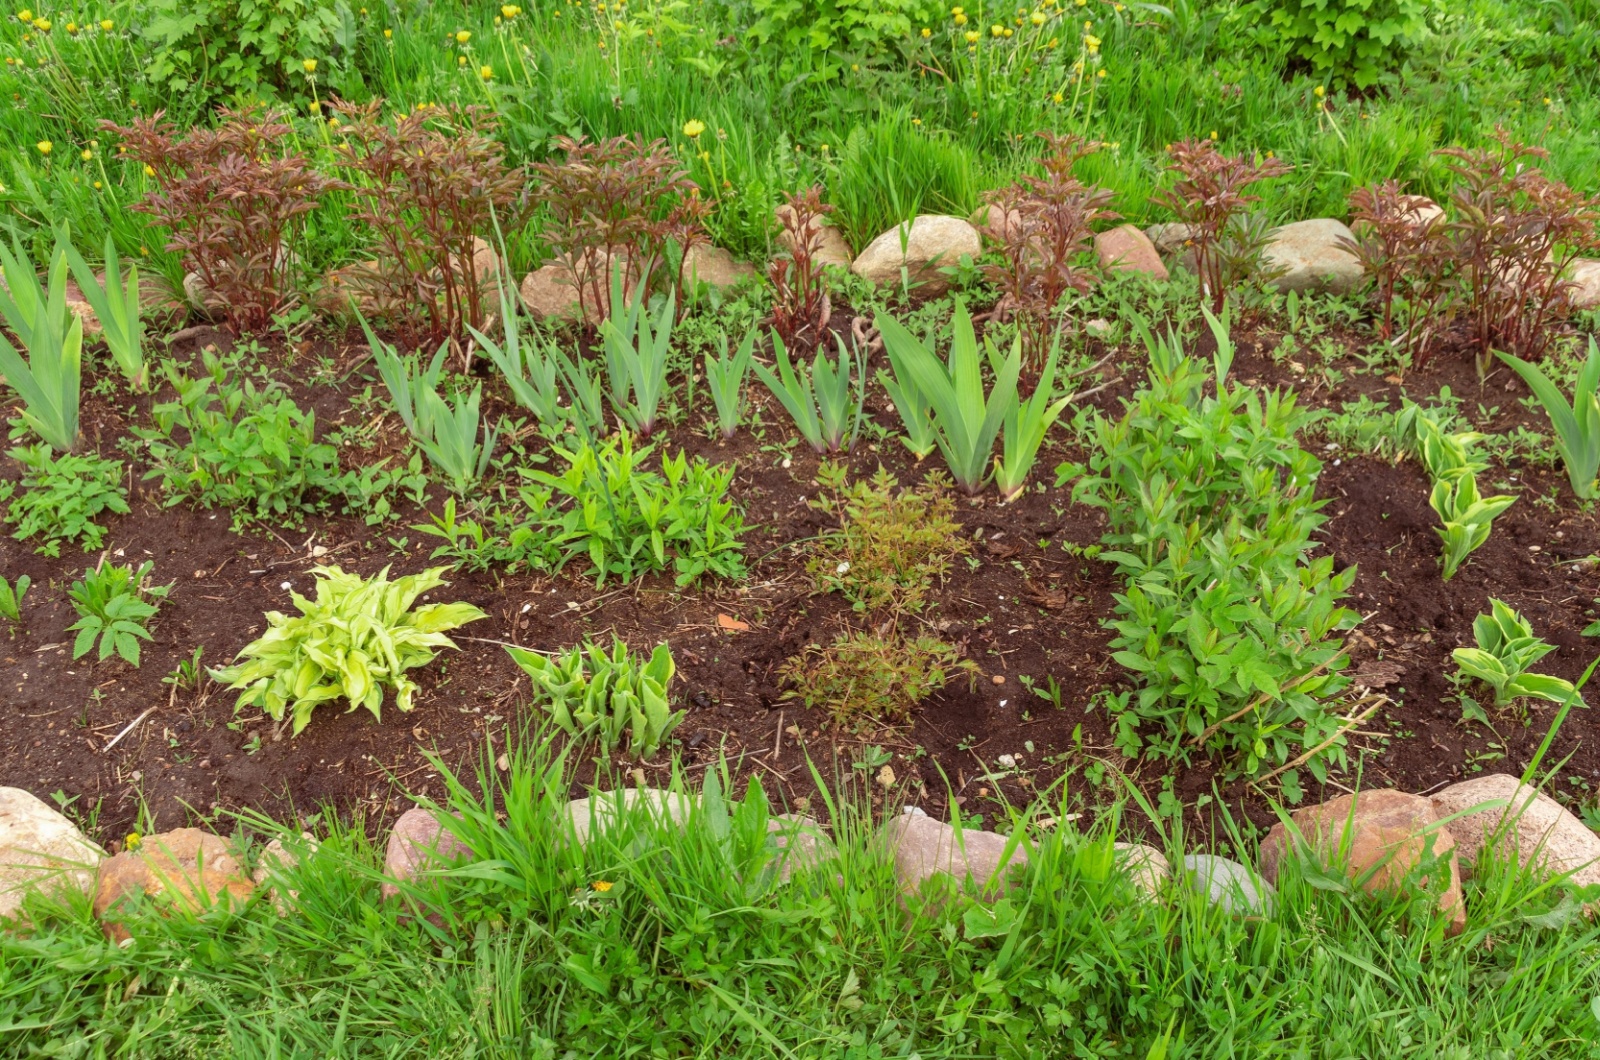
1025 605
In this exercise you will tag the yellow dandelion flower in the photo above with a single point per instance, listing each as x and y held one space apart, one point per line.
1058 97
602 885
132 840
486 72
25 15
1008 33
509 12
310 66
461 60
961 20
314 107
972 36
44 146
996 30
1319 91
1213 134
1037 18
86 154
106 24
388 34
462 36
958 10
72 27
926 32
1100 72
97 185
693 128
42 25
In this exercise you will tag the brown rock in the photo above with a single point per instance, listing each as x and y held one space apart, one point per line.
924 848
40 849
186 868
417 844
1381 837
1537 829
926 245
833 249
600 810
1126 249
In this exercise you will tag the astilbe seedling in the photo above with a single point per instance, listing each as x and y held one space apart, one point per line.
873 676
800 303
1042 226
621 200
433 185
235 199
1209 197
1515 234
1403 245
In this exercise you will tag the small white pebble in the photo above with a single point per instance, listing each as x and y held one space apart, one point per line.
526 608
286 585
1009 761
842 568
787 462
1002 702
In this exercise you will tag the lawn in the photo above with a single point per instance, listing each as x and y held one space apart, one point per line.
474 406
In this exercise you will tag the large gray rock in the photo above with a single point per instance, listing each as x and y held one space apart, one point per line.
1539 830
1380 837
40 850
924 246
1585 276
418 843
1229 885
601 810
1311 257
1146 866
185 869
1171 237
923 848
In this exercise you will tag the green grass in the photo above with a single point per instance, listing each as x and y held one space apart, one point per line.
695 950
936 127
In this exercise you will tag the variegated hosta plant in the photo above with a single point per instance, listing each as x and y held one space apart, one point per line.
356 639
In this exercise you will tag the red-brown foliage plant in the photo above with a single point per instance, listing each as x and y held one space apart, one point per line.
1209 197
619 200
1514 235
800 304
1042 225
1403 244
432 185
235 199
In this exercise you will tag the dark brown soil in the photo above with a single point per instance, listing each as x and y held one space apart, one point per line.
1023 606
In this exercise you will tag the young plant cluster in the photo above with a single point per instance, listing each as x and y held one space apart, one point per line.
63 497
590 694
355 641
891 546
1465 515
1228 626
1506 647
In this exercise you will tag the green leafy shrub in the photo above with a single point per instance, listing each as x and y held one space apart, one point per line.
251 450
1230 631
870 676
113 603
1349 41
231 46
628 520
589 693
811 36
354 641
1506 647
1465 516
62 496
891 544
